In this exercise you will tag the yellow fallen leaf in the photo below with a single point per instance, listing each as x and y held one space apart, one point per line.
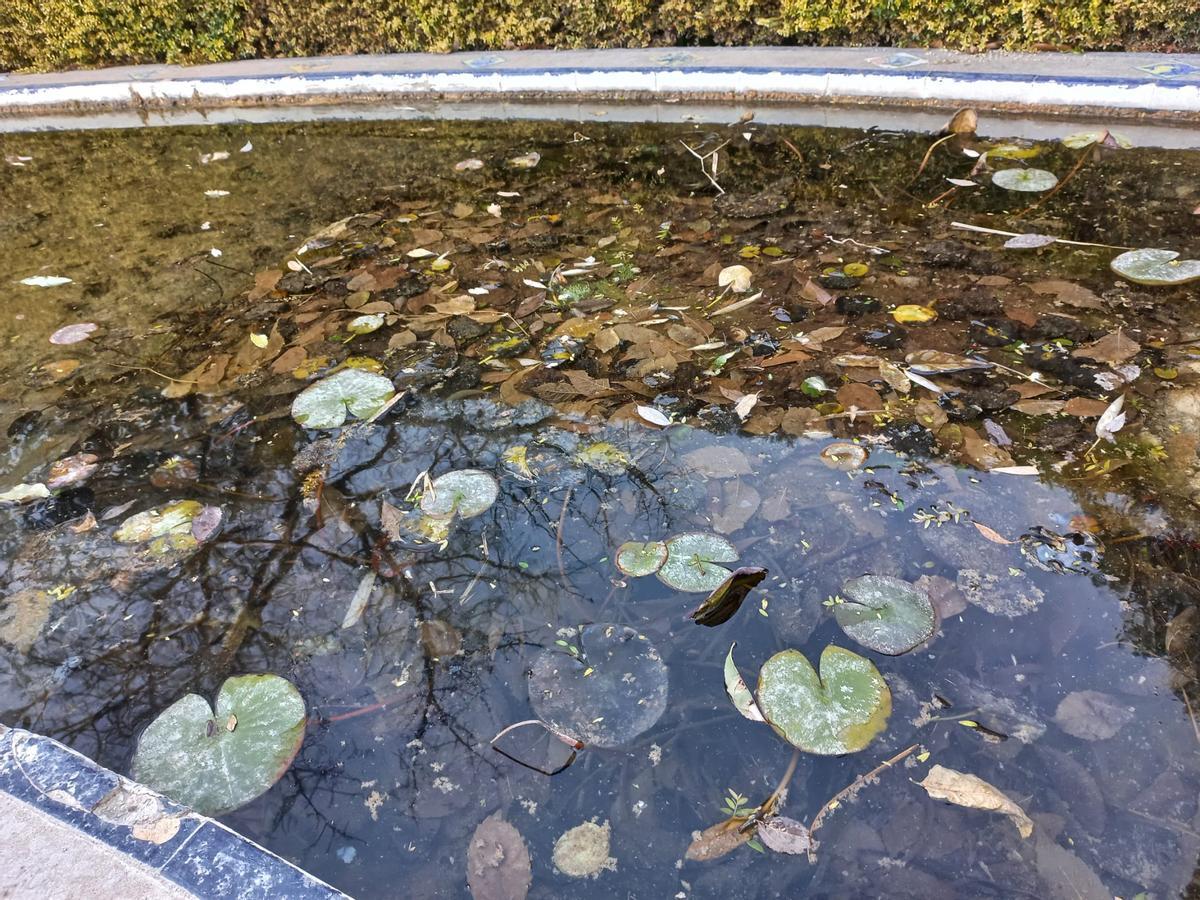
912 314
973 792
259 340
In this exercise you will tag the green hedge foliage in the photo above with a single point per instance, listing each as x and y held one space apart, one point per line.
56 34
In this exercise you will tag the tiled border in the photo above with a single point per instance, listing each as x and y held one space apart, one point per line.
1161 84
202 856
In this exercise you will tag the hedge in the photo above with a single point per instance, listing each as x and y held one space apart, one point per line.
56 34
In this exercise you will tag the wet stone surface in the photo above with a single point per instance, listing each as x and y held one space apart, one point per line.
535 364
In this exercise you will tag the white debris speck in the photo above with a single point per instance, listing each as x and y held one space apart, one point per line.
655 754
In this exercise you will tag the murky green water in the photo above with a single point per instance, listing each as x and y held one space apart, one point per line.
1064 684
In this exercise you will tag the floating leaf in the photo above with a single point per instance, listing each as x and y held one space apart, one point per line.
498 864
913 314
44 281
1104 138
784 835
856 269
839 711
638 559
464 492
622 694
973 792
190 754
653 416
526 161
739 693
73 334
1034 180
1156 267
325 404
727 598
1111 420
736 278
468 165
885 614
692 562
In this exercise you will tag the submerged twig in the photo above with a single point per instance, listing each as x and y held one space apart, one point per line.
558 538
855 785
711 154
1087 151
928 154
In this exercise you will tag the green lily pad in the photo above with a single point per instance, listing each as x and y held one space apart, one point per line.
637 559
1033 180
353 392
1104 138
839 711
1156 267
692 562
217 762
885 614
614 689
464 492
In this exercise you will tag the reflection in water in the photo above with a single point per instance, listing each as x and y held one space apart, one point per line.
1049 676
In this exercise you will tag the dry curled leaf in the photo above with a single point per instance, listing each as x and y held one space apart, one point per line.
991 534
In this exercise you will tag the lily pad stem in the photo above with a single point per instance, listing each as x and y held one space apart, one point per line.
1087 151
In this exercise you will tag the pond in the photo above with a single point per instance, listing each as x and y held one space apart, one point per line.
779 339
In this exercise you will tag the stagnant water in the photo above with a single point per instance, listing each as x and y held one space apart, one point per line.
1062 677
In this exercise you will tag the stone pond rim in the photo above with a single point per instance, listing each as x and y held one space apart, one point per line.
1160 87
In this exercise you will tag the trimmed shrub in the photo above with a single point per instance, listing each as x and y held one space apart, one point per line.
50 34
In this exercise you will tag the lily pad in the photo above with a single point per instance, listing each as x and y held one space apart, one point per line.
839 711
353 392
637 559
614 689
217 762
1156 267
885 614
692 562
1032 180
464 492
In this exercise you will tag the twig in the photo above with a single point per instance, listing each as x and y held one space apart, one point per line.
929 153
1191 713
558 537
152 371
853 786
711 153
792 147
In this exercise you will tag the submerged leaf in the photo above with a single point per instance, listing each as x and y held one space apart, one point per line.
736 278
839 711
718 840
498 864
215 770
913 314
784 835
885 614
464 492
728 596
973 792
614 689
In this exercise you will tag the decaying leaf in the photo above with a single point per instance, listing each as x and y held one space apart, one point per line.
498 863
967 790
717 840
739 693
784 835
728 596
